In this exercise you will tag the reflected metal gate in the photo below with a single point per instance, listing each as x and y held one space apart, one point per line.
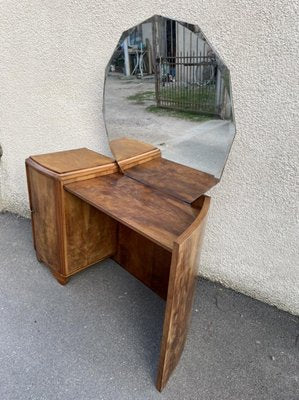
187 74
188 83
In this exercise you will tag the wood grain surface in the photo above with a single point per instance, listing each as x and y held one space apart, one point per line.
69 235
151 221
157 216
71 160
180 295
91 235
129 152
144 259
43 194
182 182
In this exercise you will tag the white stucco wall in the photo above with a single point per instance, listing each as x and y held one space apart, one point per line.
52 60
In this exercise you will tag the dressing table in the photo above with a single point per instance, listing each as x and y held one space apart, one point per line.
145 212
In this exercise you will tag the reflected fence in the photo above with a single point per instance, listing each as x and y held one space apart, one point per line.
193 83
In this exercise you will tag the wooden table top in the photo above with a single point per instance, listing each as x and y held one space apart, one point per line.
71 160
157 216
175 179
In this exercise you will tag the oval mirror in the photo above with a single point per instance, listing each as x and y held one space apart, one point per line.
166 88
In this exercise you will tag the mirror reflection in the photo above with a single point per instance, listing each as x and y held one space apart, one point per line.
167 87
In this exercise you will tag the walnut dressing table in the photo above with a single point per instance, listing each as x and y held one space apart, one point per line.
145 212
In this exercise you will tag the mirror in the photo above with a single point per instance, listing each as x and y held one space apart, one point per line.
167 87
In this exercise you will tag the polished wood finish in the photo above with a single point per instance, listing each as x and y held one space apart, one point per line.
175 179
130 152
60 221
180 295
90 234
143 162
155 215
144 259
43 192
151 225
71 160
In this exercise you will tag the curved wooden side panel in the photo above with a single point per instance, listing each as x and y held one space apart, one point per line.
180 294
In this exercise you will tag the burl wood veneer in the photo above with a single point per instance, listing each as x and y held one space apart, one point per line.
175 179
86 207
62 224
131 152
153 214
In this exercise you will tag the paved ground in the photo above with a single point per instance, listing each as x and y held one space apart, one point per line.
201 145
98 337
